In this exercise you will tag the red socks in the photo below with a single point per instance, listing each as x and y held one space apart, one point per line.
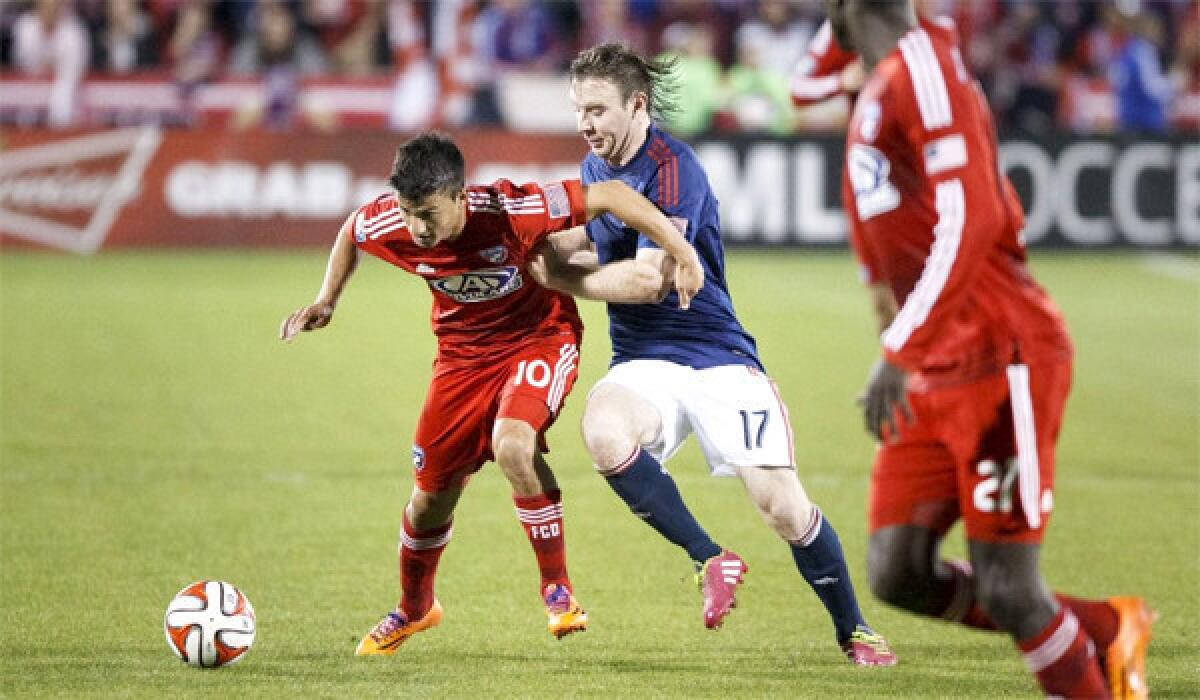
542 520
1097 617
420 551
1063 659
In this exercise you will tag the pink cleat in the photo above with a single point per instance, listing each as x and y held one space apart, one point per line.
865 648
719 579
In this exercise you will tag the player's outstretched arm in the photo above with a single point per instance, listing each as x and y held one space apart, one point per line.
567 263
342 261
620 200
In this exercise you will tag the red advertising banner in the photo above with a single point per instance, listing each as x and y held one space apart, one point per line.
152 187
155 187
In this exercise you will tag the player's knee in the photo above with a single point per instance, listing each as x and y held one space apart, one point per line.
788 514
890 576
513 452
1006 596
608 441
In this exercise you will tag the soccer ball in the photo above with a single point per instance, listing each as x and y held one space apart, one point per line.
210 624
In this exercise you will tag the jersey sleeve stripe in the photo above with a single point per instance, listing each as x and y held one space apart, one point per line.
673 170
947 235
822 39
815 89
668 180
933 101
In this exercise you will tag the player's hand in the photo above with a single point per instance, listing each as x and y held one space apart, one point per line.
689 278
853 76
308 318
883 400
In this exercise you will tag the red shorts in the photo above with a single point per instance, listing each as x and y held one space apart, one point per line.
454 433
960 457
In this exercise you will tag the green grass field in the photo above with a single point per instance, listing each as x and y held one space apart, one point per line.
155 432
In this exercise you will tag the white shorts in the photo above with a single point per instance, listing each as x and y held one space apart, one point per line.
736 412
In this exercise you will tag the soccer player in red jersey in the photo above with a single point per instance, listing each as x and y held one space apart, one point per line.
507 349
967 398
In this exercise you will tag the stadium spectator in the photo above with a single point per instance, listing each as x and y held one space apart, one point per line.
1086 101
520 35
1142 87
349 33
967 397
195 50
493 392
698 75
416 92
1028 80
613 20
279 56
676 373
757 95
125 39
775 36
50 40
1186 72
467 78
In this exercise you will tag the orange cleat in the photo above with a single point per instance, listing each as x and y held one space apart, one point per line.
394 629
1125 658
563 613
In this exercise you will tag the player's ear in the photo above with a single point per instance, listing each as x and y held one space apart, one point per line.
639 100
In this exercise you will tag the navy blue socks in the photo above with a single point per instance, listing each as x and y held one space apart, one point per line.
652 495
822 563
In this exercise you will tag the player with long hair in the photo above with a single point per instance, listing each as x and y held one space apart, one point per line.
676 373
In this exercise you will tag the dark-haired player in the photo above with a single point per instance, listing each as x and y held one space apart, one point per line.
507 349
967 397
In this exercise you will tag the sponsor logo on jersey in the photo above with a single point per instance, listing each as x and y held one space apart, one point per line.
418 457
869 169
479 285
423 269
495 254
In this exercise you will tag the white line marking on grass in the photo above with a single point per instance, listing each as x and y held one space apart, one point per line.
1175 266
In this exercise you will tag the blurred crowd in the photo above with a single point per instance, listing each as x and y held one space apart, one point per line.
1079 65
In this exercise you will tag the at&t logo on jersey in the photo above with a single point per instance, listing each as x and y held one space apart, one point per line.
479 285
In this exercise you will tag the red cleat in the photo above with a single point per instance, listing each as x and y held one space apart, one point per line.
719 579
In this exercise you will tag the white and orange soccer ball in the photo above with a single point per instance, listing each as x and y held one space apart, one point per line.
210 624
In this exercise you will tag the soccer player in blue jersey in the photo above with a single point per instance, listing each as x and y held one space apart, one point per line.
677 371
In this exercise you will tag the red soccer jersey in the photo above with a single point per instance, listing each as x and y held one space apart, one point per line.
818 76
484 302
932 216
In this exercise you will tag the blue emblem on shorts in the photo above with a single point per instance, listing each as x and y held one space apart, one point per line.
418 457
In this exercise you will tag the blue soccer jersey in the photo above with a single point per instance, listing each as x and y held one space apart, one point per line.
708 334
